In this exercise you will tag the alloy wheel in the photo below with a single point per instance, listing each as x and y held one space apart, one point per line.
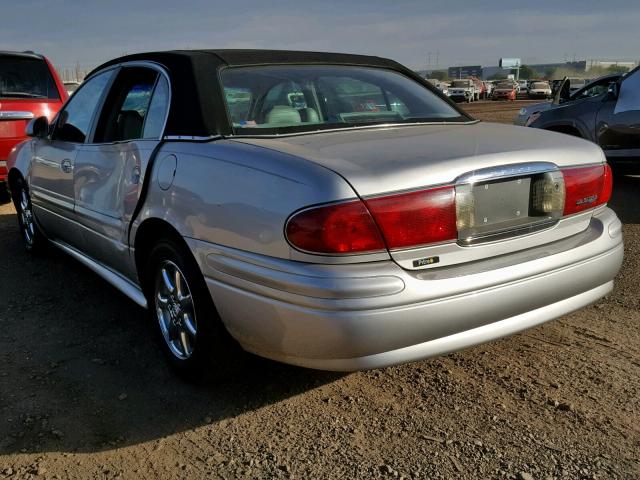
175 310
27 222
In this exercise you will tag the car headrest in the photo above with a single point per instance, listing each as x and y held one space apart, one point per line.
283 114
309 115
129 125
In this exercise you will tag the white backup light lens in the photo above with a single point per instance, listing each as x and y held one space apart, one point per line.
548 193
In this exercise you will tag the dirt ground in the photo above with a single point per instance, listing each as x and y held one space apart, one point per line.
84 392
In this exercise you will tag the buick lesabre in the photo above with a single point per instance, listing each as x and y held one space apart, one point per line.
326 210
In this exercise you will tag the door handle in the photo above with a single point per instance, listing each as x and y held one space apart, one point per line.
66 166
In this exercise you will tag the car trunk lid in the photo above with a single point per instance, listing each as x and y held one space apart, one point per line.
498 167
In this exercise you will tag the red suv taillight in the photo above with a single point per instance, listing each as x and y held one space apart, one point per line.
586 187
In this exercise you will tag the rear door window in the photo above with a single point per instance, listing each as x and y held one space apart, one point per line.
157 114
23 77
126 107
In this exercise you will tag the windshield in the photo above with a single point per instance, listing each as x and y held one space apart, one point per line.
505 85
461 83
293 98
26 78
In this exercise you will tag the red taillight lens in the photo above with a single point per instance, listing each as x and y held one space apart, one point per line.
586 187
416 218
339 228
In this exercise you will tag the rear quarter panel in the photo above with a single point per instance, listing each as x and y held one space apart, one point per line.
237 195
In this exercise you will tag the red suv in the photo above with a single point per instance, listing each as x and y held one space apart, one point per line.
29 88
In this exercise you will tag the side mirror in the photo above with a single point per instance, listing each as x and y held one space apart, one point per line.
38 127
614 89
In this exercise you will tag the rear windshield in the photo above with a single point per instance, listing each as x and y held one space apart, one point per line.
26 78
267 100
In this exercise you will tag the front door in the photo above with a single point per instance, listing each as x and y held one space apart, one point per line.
109 171
53 162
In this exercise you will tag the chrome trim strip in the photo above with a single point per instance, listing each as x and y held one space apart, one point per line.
48 163
350 129
192 137
16 115
505 171
125 286
500 235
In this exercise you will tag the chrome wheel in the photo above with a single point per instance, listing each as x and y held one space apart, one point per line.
27 223
175 310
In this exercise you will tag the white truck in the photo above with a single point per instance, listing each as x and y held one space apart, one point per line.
464 90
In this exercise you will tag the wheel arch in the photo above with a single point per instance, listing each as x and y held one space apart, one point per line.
146 236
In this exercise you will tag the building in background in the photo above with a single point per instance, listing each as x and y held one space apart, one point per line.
579 68
465 72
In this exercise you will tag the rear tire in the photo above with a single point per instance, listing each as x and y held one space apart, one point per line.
189 330
32 237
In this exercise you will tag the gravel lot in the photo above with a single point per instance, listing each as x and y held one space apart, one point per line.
84 392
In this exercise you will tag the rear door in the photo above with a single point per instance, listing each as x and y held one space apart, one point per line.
109 171
618 122
51 179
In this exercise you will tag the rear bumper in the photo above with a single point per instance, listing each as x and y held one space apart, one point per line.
352 317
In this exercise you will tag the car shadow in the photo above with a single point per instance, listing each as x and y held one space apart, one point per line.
626 186
81 371
5 196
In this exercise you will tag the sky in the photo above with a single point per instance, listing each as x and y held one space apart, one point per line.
421 34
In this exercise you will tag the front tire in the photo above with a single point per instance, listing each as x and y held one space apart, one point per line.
191 335
32 237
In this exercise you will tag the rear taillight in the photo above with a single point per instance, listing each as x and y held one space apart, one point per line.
440 214
586 187
405 220
416 218
333 229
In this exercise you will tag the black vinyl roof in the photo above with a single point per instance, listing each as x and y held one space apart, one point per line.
197 104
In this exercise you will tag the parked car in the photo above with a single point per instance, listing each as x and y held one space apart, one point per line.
539 89
221 190
440 85
576 84
29 87
522 86
488 86
463 90
504 91
607 112
71 86
593 89
481 89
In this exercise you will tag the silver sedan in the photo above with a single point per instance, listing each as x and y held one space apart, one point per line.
325 210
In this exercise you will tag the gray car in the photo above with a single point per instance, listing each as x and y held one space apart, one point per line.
325 210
